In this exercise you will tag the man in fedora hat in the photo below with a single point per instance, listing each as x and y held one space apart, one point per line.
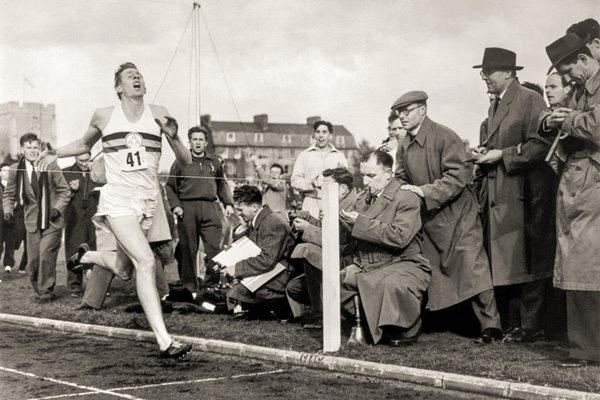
517 197
431 163
588 30
576 268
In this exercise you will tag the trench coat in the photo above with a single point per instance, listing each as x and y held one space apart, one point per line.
434 160
576 264
390 272
517 193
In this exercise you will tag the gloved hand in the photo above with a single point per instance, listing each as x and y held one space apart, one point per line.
54 214
9 220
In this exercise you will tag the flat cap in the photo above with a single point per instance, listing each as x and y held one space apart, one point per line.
414 96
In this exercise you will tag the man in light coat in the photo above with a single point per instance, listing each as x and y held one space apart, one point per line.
431 163
576 267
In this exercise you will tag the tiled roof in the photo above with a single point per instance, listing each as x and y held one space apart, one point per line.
273 137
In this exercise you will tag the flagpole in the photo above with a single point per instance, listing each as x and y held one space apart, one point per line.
23 92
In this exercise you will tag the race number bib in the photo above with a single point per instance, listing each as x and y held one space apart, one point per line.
133 159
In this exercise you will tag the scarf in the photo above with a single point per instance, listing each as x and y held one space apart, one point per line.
42 191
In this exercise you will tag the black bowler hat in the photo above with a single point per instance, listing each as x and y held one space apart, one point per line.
495 57
563 48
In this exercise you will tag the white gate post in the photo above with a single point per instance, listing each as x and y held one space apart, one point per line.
331 267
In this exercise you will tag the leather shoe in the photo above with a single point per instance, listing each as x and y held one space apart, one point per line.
575 363
83 307
399 341
46 298
520 335
74 262
402 342
489 335
313 325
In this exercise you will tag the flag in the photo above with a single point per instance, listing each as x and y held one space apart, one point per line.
27 81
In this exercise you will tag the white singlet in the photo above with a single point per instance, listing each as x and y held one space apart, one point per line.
131 153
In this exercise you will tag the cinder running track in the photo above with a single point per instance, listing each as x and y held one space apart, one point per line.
37 364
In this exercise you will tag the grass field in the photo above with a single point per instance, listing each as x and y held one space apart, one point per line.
443 351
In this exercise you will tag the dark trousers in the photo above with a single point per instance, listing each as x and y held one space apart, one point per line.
200 219
100 280
11 240
583 324
307 289
78 231
522 305
486 311
42 250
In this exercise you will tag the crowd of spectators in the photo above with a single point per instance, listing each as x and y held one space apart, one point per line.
508 227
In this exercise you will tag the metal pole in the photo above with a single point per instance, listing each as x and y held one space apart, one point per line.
331 267
197 33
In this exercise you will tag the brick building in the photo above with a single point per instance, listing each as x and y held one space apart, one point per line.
271 142
17 119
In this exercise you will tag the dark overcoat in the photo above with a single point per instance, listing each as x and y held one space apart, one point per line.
517 194
434 160
390 272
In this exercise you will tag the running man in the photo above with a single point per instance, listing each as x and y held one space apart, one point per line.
131 141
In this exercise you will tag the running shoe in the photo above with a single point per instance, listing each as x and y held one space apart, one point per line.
176 350
74 262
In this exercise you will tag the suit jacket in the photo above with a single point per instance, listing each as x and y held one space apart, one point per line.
517 193
59 196
83 202
311 247
275 240
2 188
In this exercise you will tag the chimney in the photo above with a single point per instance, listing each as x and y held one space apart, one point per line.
310 121
262 120
205 120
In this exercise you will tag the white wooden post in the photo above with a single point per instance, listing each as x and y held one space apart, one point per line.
331 267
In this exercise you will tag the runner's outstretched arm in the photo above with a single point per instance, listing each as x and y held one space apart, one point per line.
168 126
75 148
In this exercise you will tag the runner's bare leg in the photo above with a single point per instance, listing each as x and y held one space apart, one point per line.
133 242
116 262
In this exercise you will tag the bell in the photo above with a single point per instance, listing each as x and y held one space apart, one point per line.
357 336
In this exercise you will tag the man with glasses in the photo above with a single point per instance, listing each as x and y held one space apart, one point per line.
431 163
517 197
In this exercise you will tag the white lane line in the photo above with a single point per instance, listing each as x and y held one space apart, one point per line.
221 378
89 388
278 371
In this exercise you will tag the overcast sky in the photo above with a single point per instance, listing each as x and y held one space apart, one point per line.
344 60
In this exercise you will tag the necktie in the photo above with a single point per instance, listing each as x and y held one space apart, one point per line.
34 180
86 180
496 104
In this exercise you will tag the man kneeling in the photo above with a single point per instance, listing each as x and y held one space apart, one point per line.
390 273
273 236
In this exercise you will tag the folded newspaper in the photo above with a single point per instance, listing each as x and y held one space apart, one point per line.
242 249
